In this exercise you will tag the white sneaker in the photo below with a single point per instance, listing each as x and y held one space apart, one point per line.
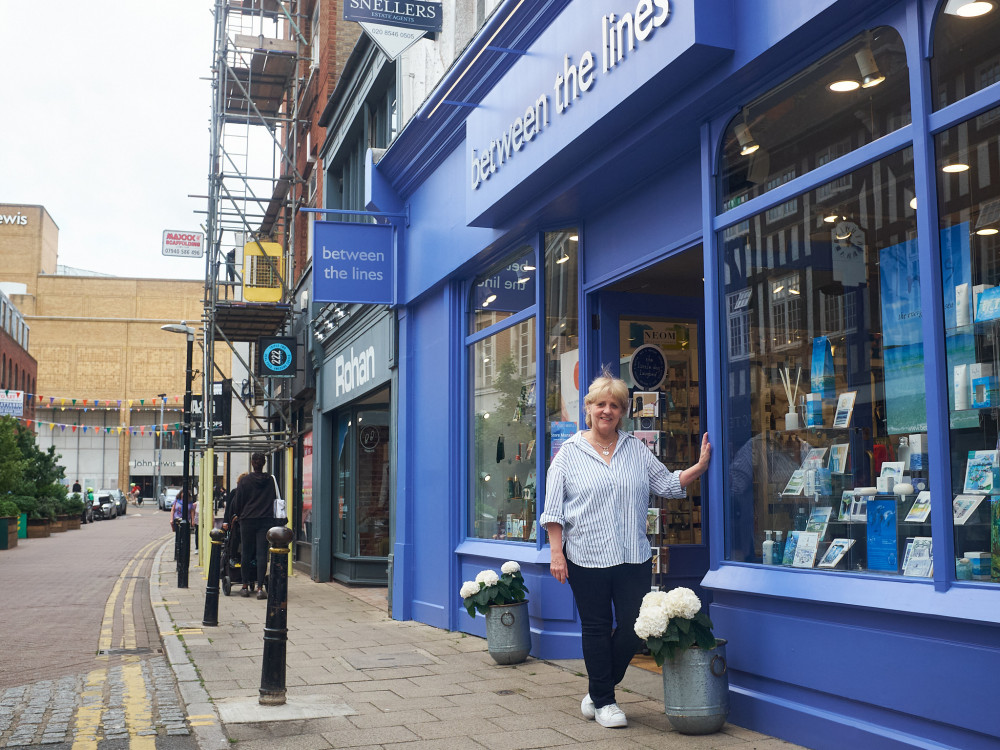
587 707
610 716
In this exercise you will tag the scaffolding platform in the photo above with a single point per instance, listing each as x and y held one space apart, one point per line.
245 321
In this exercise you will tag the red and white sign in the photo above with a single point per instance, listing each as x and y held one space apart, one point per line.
183 244
11 403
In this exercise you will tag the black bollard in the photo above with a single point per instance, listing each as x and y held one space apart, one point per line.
272 673
211 616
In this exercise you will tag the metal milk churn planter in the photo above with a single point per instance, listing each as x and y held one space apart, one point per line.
696 689
508 633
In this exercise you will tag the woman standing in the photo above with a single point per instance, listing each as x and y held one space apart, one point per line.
254 505
596 497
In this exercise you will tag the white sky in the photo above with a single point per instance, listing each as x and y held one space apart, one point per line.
104 120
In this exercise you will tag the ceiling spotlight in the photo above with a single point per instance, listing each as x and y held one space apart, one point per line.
913 203
969 8
987 231
830 218
954 168
574 238
845 85
490 298
747 144
563 259
527 268
870 75
844 234
777 289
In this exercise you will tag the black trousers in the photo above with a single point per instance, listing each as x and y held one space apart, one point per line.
253 559
608 638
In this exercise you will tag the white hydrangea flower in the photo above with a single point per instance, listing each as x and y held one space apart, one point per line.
510 567
489 577
684 603
654 615
469 588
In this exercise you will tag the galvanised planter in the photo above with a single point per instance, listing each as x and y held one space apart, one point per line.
508 633
696 689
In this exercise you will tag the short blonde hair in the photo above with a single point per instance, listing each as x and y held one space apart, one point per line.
606 384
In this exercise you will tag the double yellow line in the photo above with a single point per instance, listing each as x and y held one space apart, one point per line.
138 704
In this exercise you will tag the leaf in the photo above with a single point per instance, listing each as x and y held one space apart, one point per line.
704 638
482 598
470 608
686 641
654 644
683 625
702 619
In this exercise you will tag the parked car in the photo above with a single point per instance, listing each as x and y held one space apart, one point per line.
105 506
167 497
121 502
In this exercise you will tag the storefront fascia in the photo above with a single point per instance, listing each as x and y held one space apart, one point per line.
787 676
368 349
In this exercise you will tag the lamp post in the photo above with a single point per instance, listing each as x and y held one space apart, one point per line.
159 451
184 527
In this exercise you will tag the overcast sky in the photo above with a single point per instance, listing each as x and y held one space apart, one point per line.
105 123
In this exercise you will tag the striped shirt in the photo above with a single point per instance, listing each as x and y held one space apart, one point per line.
602 508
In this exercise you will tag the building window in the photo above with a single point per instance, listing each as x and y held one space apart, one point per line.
835 396
503 372
851 97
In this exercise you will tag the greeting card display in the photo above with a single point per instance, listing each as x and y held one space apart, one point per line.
805 550
818 520
645 404
917 559
838 458
653 521
846 501
845 407
835 553
964 506
790 544
920 509
979 472
795 483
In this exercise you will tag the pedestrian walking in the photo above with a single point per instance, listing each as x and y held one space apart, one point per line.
596 498
254 505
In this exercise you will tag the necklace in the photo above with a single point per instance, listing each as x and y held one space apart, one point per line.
606 449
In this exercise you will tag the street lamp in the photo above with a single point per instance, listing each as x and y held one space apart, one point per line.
159 451
183 543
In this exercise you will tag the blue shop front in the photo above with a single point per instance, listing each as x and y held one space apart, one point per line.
745 209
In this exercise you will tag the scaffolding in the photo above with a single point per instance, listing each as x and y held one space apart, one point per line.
259 57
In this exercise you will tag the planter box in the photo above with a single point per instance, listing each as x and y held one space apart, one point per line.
38 529
8 532
72 523
59 525
22 526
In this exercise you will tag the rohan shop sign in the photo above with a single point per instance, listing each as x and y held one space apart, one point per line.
597 63
358 366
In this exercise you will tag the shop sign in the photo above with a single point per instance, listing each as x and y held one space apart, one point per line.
221 410
353 262
182 244
17 219
394 24
11 403
277 356
594 60
359 366
648 367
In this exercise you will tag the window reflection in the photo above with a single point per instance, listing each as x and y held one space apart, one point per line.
965 54
506 289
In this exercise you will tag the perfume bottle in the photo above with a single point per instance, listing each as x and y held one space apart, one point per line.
767 549
779 547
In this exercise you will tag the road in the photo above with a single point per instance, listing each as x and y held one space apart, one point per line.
82 664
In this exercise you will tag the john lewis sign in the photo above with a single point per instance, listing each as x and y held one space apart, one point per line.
597 66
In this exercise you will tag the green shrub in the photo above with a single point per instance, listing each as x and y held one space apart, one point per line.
9 508
45 509
70 506
26 503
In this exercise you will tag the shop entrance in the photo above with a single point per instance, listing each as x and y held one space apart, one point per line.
361 491
652 326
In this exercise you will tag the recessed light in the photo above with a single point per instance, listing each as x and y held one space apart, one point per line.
830 218
974 9
778 289
527 268
913 203
574 238
842 86
987 231
954 168
793 290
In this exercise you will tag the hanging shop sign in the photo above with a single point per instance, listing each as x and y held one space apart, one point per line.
276 356
353 262
11 403
181 244
394 24
597 65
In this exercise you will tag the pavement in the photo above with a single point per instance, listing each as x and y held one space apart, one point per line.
357 679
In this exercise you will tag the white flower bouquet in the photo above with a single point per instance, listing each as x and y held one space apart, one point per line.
490 588
670 620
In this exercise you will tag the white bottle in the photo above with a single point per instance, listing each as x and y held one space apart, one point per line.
903 452
767 549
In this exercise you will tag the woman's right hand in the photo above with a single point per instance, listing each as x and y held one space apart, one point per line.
557 566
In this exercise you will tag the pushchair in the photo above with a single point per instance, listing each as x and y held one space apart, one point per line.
229 561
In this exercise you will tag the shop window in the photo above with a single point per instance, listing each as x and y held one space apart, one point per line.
562 343
849 98
965 58
505 289
834 400
503 370
968 178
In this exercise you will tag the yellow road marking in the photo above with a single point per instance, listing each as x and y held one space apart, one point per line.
202 716
138 715
88 717
202 723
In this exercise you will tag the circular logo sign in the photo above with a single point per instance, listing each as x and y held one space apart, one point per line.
648 367
369 437
277 357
